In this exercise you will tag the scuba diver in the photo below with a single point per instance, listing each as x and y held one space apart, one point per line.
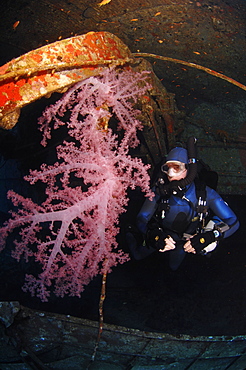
185 216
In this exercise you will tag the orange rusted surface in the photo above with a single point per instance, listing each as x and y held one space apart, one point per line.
55 67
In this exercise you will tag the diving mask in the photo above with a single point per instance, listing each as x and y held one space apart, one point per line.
174 169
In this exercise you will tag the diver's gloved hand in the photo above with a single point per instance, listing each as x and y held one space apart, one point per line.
211 246
199 242
155 238
202 240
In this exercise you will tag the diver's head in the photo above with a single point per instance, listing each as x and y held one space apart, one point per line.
176 164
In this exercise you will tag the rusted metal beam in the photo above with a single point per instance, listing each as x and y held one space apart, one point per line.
56 67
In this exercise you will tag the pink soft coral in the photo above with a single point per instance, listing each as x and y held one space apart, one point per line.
72 234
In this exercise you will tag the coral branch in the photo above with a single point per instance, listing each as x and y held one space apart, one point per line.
74 230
